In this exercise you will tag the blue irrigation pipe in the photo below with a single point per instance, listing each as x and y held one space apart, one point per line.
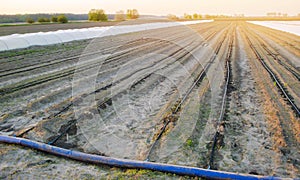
125 163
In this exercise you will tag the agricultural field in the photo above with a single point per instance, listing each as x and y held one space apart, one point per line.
29 28
223 95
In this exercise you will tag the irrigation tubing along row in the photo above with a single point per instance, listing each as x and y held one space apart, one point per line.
223 106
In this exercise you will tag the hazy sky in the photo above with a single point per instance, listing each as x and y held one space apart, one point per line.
155 7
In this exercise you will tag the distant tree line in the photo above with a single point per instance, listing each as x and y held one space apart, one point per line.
99 15
44 18
196 16
270 17
121 16
54 19
185 16
275 14
93 15
35 17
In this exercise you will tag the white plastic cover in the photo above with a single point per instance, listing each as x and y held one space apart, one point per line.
35 40
287 26
3 46
17 41
65 36
51 37
79 34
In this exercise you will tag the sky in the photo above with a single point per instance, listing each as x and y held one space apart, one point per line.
153 7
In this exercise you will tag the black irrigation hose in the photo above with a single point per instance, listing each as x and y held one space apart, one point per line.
90 40
70 71
102 103
273 76
158 137
109 85
286 65
296 74
177 52
223 106
72 103
62 133
200 77
56 61
215 139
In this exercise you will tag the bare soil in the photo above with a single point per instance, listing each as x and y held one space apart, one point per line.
111 96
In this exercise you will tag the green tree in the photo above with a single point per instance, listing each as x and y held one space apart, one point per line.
132 14
120 16
62 19
172 17
43 20
54 19
187 16
195 16
40 20
30 20
97 15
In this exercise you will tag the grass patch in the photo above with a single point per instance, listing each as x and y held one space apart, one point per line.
189 143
